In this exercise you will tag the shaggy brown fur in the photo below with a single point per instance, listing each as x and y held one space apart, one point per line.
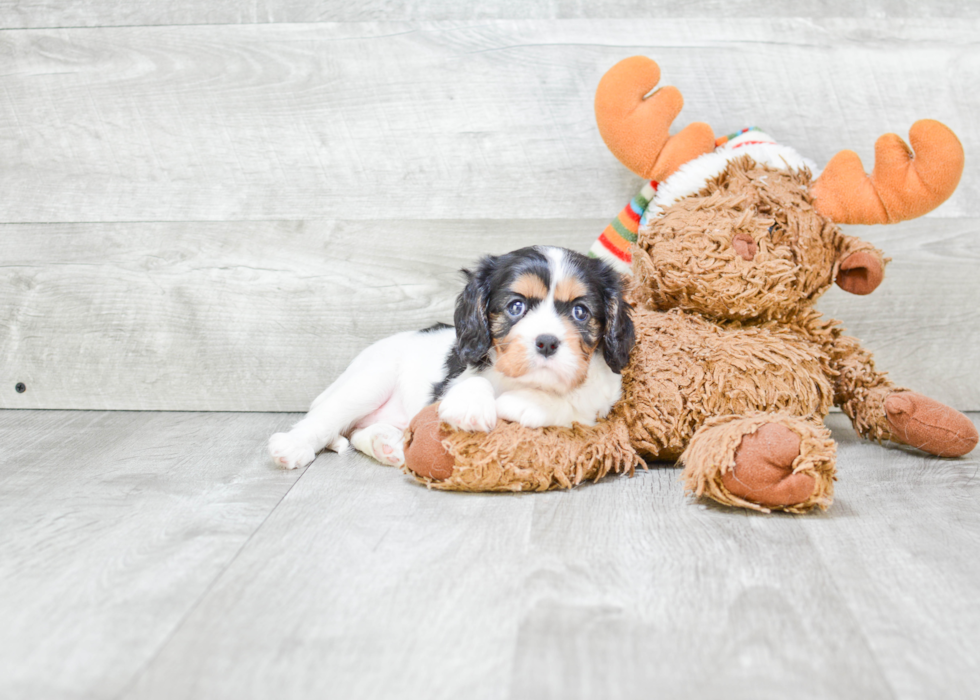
725 345
686 258
514 458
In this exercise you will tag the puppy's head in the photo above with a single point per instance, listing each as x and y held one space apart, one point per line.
540 314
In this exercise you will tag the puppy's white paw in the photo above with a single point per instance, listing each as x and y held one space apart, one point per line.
515 406
338 445
383 442
388 447
470 405
289 451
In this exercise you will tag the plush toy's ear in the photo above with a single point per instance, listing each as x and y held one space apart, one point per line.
472 323
860 267
860 273
618 336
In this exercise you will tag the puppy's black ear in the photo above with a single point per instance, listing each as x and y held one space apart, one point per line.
619 335
471 320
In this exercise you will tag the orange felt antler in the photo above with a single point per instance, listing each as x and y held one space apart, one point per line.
636 128
901 186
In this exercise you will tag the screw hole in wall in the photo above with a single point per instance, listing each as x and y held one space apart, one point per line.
20 388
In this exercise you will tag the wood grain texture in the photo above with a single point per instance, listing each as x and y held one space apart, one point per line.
902 546
229 316
363 584
432 120
306 189
23 14
112 525
378 588
871 599
152 555
260 316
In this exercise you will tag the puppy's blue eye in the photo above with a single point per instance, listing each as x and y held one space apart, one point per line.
579 312
516 308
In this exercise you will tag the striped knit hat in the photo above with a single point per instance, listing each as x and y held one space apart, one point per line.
613 245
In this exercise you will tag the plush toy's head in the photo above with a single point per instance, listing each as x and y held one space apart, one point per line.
747 244
741 228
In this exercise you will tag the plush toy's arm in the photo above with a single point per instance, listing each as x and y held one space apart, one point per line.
880 410
512 457
860 390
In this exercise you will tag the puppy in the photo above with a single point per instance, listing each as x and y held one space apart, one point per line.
541 336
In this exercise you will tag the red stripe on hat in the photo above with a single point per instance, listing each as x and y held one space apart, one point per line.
623 255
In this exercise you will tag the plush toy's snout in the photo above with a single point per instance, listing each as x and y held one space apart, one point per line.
745 246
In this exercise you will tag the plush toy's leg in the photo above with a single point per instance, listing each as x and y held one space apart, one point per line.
916 420
879 410
763 462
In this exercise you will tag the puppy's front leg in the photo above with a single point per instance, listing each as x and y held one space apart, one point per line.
299 446
533 409
469 405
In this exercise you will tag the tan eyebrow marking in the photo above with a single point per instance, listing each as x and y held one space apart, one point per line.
530 286
569 288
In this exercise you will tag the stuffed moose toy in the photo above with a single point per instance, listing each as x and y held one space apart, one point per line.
728 247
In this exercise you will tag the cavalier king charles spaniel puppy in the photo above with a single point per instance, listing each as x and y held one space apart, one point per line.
541 336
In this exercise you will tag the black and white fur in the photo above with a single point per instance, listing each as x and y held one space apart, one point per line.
541 335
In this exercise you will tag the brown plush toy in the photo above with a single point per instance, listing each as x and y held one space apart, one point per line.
730 246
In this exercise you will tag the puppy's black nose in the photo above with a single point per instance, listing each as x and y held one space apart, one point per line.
547 345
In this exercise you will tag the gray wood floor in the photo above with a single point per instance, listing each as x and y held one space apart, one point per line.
160 555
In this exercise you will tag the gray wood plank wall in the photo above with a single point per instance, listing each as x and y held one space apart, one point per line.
24 14
219 216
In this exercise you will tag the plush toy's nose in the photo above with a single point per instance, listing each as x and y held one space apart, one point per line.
547 345
745 246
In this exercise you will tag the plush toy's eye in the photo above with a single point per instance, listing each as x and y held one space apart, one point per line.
516 308
772 228
580 312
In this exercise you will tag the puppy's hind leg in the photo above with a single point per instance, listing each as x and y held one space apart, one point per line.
363 388
381 441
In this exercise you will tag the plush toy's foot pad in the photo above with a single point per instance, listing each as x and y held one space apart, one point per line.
766 461
763 471
925 423
424 453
